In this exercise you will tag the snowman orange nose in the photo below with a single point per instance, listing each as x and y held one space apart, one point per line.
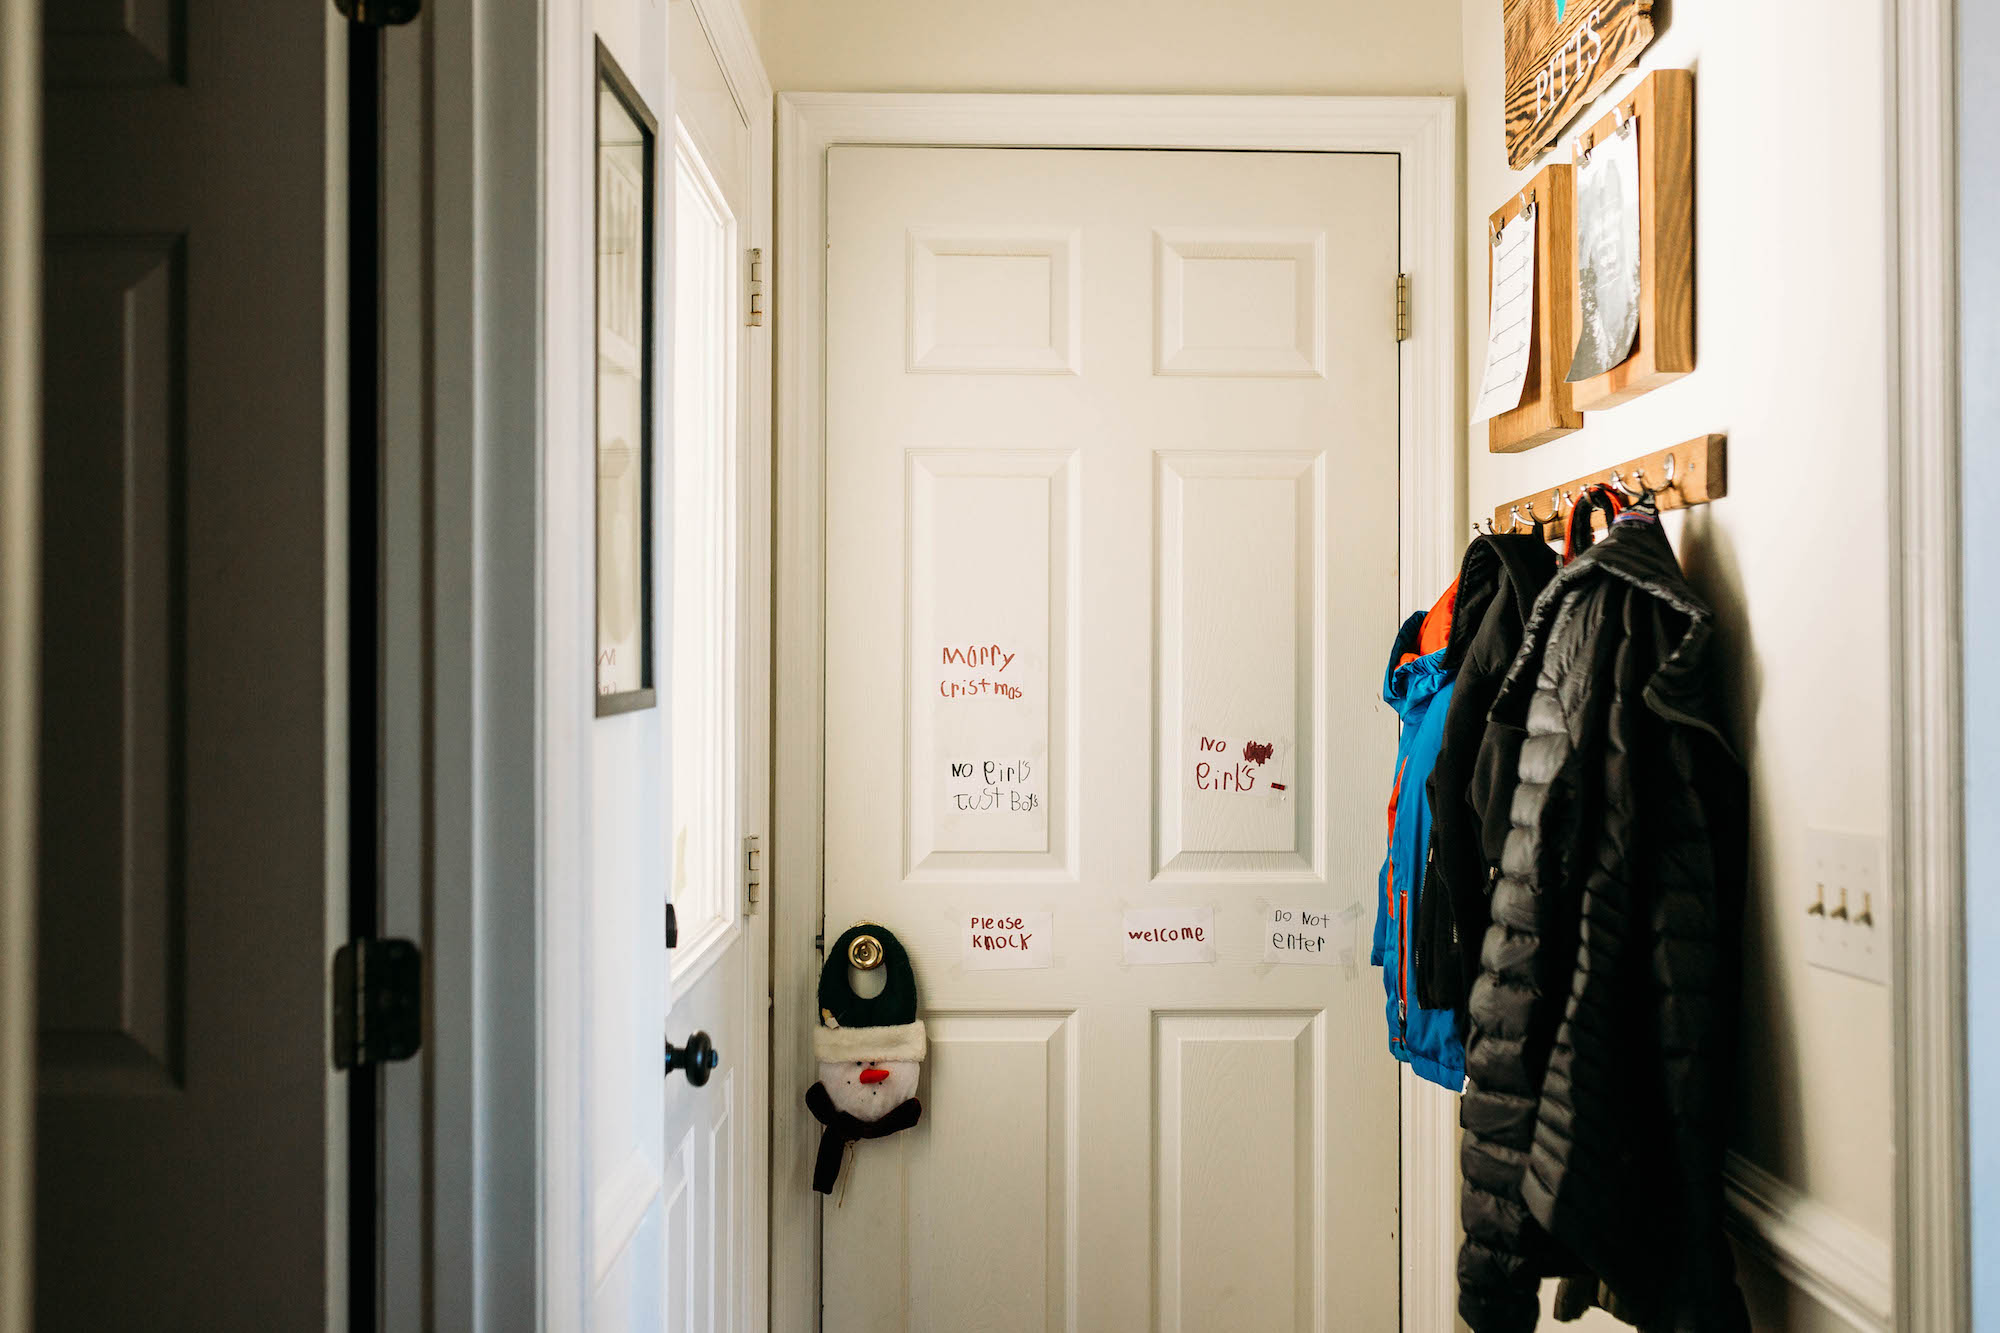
874 1075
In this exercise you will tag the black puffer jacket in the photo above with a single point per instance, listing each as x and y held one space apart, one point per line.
1470 784
1602 1023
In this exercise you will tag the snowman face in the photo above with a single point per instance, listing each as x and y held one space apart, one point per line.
869 1089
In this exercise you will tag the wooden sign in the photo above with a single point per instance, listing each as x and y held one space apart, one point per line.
1661 113
1546 411
1560 55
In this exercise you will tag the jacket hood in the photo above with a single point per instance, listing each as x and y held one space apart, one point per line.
1635 552
1412 681
1515 563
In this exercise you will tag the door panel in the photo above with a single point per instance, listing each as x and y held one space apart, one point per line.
1112 460
112 952
963 507
192 802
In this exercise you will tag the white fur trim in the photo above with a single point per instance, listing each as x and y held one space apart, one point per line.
903 1042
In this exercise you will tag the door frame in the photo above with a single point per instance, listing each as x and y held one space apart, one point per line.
462 1142
20 635
1933 1246
1423 133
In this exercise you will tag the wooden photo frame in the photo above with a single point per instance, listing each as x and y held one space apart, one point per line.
626 175
1661 112
1546 411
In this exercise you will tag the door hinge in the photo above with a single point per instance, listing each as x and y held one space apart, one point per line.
756 303
753 872
1402 307
378 1002
378 13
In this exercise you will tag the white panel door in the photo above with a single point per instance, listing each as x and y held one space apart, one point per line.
675 1168
1111 567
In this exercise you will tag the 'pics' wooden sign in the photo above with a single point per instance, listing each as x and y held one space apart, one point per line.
1560 55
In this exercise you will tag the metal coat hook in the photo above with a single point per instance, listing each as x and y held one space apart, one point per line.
1689 474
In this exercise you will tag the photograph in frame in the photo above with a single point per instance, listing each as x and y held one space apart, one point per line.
1607 255
626 138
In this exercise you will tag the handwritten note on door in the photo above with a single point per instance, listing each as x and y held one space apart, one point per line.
1001 941
1249 765
1312 937
1170 935
989 716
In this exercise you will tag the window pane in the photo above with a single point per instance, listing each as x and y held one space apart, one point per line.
704 506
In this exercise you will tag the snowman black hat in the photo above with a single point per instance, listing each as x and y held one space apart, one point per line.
855 1027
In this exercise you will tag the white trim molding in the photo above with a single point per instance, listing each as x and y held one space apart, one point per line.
1423 133
1931 1193
1430 1206
21 56
1846 1269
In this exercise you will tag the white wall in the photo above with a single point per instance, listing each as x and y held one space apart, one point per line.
1181 46
1792 306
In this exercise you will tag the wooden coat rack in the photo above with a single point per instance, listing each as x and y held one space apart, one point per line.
1688 474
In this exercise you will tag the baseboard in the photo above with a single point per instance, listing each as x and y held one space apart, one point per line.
1430 1206
1838 1264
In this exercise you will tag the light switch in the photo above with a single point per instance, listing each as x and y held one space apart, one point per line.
1845 900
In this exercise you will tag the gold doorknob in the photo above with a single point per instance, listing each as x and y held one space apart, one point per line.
865 952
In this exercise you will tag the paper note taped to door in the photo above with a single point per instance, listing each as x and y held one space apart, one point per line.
1170 935
1250 765
1311 937
999 942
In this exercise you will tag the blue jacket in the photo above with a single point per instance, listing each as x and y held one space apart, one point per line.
1420 690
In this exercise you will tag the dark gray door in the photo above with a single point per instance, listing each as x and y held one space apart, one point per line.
189 825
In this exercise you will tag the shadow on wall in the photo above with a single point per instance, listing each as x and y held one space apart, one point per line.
1768 1030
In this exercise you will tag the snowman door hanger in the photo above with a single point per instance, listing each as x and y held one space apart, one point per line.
870 1049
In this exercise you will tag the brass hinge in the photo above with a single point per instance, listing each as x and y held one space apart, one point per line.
753 872
1402 307
756 303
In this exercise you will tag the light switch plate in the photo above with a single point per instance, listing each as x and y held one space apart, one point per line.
1847 879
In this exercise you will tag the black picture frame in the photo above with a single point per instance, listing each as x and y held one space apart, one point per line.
617 688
